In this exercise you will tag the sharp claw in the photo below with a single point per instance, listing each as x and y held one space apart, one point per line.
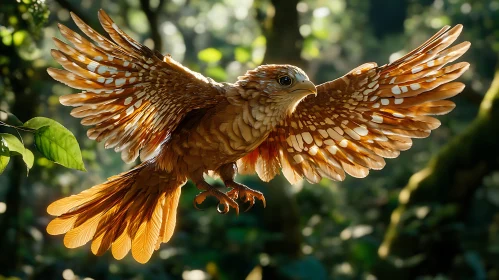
233 194
224 204
247 195
247 209
196 206
237 209
195 202
225 208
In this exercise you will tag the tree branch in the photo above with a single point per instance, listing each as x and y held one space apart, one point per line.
152 18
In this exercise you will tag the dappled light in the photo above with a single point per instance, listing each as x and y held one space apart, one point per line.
431 213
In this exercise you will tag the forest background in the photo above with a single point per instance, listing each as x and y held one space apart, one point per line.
432 213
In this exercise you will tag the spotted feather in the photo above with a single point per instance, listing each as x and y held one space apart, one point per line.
134 97
367 115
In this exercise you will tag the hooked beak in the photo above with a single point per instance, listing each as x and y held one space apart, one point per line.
305 87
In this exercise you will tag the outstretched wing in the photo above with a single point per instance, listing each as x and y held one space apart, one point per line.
133 97
369 114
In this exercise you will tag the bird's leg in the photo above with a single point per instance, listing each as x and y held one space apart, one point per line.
228 173
209 190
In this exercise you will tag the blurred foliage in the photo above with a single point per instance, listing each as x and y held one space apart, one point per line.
327 231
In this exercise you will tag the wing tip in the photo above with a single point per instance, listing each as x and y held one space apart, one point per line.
66 100
467 46
104 18
60 26
53 72
466 65
54 53
457 29
77 19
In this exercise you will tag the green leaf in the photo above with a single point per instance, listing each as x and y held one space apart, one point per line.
210 55
4 156
16 147
56 143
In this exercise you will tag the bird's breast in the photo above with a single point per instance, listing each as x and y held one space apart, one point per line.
222 135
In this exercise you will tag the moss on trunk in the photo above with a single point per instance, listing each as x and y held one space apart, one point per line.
422 238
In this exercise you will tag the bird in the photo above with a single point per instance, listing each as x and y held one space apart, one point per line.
273 119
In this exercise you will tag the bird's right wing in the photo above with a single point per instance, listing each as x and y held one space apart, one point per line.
133 97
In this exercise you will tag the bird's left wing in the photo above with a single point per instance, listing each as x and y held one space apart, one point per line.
369 114
134 97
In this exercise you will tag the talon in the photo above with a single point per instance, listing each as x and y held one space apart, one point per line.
196 206
225 209
198 200
246 194
224 200
228 202
237 210
247 209
234 194
250 200
235 206
261 197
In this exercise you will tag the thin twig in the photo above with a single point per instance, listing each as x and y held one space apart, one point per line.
18 127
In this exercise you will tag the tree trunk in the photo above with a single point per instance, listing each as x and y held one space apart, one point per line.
284 41
438 197
283 46
152 18
10 223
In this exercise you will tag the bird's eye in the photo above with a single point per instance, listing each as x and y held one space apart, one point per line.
285 81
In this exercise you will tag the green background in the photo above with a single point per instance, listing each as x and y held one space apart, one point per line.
333 230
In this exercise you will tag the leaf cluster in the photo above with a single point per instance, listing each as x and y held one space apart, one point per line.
52 140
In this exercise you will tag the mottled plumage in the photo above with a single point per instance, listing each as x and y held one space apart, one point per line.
273 118
369 114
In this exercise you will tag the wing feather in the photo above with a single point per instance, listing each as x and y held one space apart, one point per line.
367 115
133 96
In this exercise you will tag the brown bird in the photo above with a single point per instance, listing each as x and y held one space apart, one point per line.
273 118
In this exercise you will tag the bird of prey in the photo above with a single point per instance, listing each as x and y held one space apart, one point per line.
273 118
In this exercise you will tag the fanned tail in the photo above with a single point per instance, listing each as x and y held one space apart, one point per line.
135 210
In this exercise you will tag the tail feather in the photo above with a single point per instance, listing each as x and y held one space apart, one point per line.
147 235
135 211
104 238
83 233
169 221
121 246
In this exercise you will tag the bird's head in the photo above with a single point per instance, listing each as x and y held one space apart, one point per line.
282 86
